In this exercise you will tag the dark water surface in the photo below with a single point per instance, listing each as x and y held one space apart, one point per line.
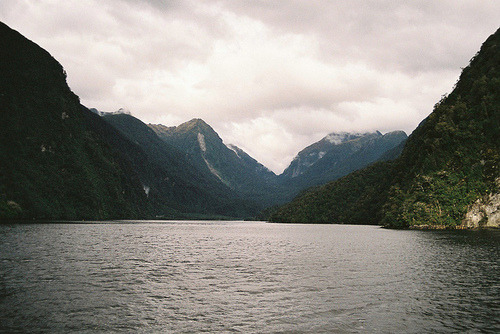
246 277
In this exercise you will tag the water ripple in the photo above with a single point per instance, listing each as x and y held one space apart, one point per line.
244 277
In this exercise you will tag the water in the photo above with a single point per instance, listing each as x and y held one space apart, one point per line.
246 277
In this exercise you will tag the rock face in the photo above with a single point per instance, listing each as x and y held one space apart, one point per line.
484 212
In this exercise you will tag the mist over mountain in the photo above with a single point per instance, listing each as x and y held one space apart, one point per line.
337 155
64 161
447 175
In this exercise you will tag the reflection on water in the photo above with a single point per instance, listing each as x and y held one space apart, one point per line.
187 277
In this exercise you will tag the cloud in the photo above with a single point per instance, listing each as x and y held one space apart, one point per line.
416 35
270 76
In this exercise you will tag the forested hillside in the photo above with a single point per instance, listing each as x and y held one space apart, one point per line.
55 162
448 163
61 161
203 147
452 159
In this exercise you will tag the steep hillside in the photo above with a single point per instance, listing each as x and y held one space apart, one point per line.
252 164
230 165
452 159
353 199
447 171
316 151
61 161
171 178
337 155
54 164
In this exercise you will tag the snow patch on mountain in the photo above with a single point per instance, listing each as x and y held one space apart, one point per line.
336 138
201 141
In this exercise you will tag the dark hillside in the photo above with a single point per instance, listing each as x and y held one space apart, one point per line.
353 199
173 181
54 165
61 161
450 162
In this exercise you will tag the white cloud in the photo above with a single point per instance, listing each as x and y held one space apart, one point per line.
270 76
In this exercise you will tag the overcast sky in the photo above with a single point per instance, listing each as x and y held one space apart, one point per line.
269 76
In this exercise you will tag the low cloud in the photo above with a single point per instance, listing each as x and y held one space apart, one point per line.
270 76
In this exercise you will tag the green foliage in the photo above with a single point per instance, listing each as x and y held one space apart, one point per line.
54 164
447 163
452 158
175 182
354 199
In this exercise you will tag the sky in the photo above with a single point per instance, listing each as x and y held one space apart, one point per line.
271 77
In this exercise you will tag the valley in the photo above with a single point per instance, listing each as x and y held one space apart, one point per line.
62 160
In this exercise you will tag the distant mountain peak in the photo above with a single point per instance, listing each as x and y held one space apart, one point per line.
195 122
338 146
122 111
106 113
337 138
198 121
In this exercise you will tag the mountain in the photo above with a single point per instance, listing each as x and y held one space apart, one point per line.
63 161
56 160
104 113
229 164
332 157
447 175
172 180
337 155
315 152
451 162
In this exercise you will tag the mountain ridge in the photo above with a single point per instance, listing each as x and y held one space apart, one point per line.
335 156
231 165
174 177
64 161
446 176
56 161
